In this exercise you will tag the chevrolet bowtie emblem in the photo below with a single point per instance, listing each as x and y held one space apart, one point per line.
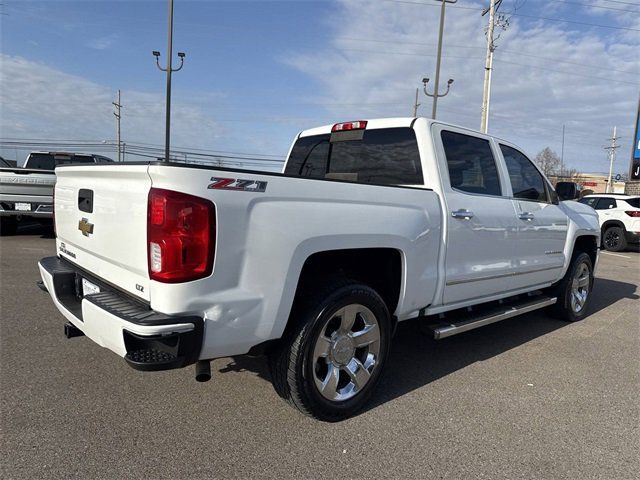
85 227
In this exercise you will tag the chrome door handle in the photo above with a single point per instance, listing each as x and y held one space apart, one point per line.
463 213
526 216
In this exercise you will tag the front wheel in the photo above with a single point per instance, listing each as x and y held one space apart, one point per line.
574 290
330 362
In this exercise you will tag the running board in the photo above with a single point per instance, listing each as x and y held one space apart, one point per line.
443 328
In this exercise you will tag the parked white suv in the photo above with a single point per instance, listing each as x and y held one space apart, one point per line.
619 217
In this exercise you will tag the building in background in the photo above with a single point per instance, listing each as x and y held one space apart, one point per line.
592 182
633 185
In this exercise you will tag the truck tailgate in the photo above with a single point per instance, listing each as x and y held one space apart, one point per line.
17 183
101 222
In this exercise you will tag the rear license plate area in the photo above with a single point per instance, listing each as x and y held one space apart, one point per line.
22 207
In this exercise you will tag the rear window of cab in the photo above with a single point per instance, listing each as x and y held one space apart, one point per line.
385 156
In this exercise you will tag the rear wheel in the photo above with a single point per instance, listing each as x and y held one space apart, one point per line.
574 290
8 226
614 239
329 364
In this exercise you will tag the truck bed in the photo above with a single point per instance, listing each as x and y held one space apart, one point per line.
267 226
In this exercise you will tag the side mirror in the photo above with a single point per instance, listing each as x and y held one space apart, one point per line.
568 190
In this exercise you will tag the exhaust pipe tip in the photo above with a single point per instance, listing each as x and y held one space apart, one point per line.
203 370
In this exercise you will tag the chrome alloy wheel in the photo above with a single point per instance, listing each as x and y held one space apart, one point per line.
580 287
346 352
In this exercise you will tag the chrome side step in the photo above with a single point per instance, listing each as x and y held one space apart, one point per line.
444 329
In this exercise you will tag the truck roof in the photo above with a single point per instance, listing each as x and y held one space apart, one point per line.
393 122
622 196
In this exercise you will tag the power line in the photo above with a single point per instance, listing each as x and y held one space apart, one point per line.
131 147
556 60
499 60
551 19
597 6
623 3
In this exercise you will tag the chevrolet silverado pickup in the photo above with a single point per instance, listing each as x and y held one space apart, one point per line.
27 192
369 224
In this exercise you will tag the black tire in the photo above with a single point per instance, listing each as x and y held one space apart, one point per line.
614 239
8 226
293 370
565 307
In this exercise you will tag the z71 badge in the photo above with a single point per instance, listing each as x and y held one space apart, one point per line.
237 184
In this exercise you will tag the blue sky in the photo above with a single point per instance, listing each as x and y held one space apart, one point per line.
258 72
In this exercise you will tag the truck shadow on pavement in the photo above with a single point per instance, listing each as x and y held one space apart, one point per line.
416 359
44 230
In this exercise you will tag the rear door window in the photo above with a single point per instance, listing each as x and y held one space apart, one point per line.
385 156
527 182
634 202
472 167
605 203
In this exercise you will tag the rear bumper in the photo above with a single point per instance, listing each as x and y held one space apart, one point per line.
37 210
632 237
147 340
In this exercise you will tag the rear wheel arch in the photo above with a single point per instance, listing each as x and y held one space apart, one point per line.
611 223
381 269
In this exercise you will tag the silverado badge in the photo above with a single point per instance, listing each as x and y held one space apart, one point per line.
85 227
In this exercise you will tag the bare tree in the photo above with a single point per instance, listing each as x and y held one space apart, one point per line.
548 161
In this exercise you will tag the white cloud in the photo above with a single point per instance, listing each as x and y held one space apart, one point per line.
39 101
103 43
546 74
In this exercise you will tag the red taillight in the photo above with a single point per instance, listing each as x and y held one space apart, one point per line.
633 213
357 125
180 236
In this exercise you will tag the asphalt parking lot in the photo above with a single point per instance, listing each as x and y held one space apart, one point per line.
531 397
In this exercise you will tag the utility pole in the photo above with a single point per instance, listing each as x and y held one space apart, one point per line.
488 64
169 70
562 154
612 158
416 105
117 115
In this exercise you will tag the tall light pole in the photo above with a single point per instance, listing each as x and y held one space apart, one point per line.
169 71
435 94
436 85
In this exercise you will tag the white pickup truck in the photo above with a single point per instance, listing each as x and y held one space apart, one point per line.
370 223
